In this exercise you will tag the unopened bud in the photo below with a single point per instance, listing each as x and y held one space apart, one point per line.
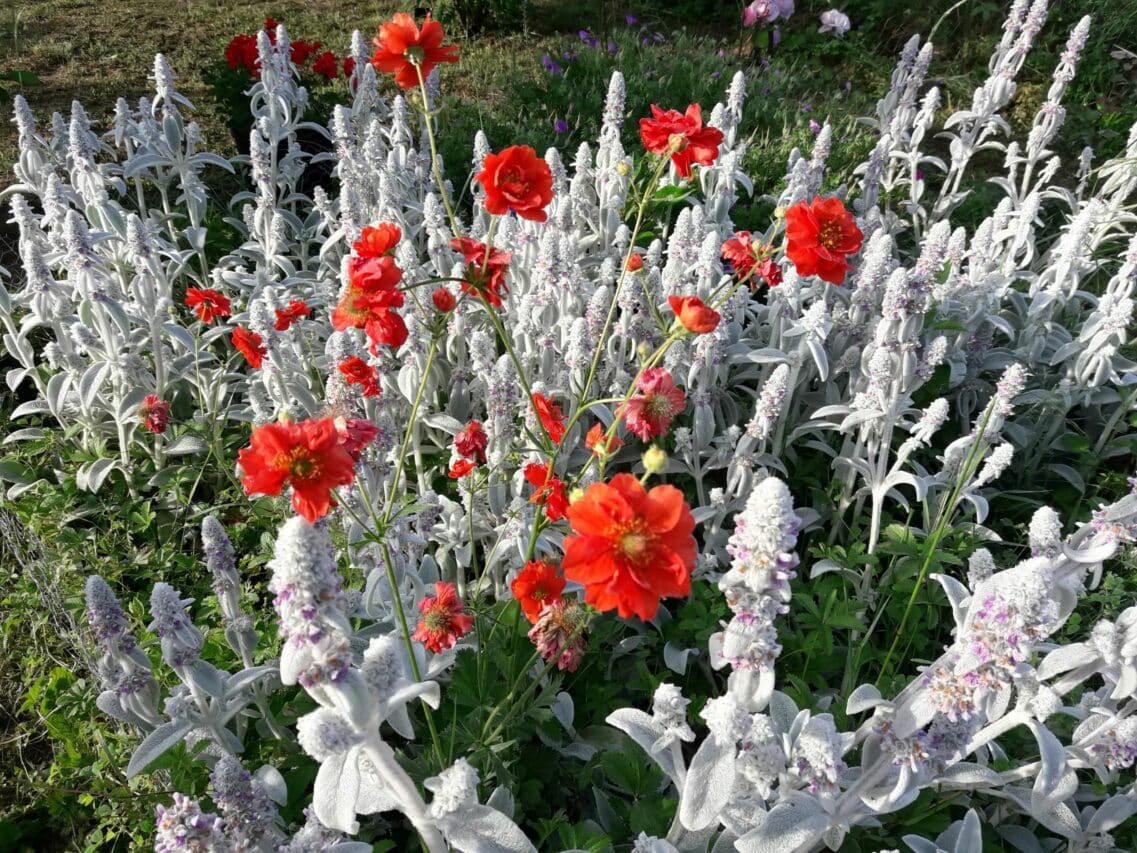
655 460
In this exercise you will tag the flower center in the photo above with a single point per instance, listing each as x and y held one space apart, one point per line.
634 544
677 142
829 235
657 405
512 182
415 55
436 619
301 466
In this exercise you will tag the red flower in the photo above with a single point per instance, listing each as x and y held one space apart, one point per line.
270 28
484 278
250 345
536 587
518 180
742 253
694 314
377 240
461 468
635 262
649 413
154 414
471 442
374 274
598 442
359 372
682 136
443 620
308 456
551 418
208 303
443 299
630 547
401 47
820 236
302 50
355 434
241 52
550 490
327 65
348 66
285 317
769 270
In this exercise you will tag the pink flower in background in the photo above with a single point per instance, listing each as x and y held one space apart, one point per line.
834 22
649 413
761 12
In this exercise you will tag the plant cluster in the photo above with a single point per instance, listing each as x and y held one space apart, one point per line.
507 459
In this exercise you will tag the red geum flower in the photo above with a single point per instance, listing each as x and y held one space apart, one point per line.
285 317
471 442
302 50
327 65
270 27
402 46
377 240
635 262
742 253
443 619
208 303
630 547
694 314
359 372
550 492
599 443
355 434
551 417
241 52
682 137
769 270
536 587
443 299
308 456
154 414
461 468
484 278
250 345
518 180
820 236
348 66
376 273
649 413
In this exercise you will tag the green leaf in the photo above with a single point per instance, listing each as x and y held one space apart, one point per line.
23 78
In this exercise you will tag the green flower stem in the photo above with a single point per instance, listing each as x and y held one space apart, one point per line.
428 116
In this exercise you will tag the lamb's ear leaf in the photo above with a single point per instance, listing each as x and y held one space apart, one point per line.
710 780
165 737
481 829
793 824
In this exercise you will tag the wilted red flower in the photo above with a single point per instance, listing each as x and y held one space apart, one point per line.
471 442
327 65
769 270
250 345
559 634
443 620
820 236
682 137
461 468
376 241
536 587
308 456
402 46
302 50
518 180
359 372
649 413
355 434
154 414
208 303
241 52
743 253
551 417
285 317
484 278
635 262
550 492
630 547
694 314
599 443
443 299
